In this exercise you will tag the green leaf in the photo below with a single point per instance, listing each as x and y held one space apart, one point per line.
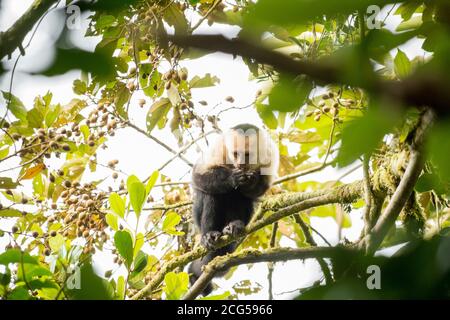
175 18
105 21
407 9
176 285
413 23
222 296
202 82
402 65
85 131
124 245
112 221
56 242
157 112
267 116
364 134
136 191
138 244
289 93
5 278
16 106
52 114
117 204
35 118
302 137
37 284
295 12
428 182
91 286
16 256
98 63
121 288
79 87
19 293
121 98
151 181
32 271
38 185
150 80
330 211
8 213
140 262
4 152
439 146
170 222
7 183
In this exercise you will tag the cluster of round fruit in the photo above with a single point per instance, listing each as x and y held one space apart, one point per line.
326 105
81 214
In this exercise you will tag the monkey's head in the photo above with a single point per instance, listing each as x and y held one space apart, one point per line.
249 148
244 146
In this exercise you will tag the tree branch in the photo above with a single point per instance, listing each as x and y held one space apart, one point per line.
279 207
310 240
404 189
254 256
270 265
12 38
368 195
424 88
238 47
344 193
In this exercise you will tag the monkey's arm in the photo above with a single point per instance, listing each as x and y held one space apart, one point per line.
213 180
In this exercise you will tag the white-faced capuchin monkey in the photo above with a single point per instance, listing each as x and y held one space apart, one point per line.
227 180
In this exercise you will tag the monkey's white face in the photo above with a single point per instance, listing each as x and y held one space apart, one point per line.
250 149
242 148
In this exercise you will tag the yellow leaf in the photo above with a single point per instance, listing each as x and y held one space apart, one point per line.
30 173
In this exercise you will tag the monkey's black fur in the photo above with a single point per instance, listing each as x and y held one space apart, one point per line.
223 204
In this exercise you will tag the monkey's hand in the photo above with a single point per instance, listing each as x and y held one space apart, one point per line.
209 239
242 177
235 228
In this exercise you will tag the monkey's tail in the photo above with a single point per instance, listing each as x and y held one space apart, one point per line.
195 268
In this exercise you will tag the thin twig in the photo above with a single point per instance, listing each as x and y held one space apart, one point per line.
270 265
210 10
182 150
165 146
310 240
368 196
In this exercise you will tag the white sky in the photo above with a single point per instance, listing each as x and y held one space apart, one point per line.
138 155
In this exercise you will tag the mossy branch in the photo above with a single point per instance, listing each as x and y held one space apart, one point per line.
254 256
280 206
345 193
404 189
